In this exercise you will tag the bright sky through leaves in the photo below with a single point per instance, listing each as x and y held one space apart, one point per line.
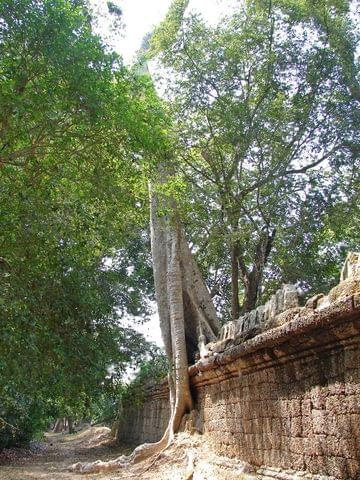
140 16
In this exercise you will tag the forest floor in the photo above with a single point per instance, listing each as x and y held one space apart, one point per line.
60 451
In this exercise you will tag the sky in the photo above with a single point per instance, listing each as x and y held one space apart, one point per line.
140 16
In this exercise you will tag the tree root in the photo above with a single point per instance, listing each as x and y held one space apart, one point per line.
140 453
98 466
147 450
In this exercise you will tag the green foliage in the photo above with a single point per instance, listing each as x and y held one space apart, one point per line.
106 407
114 9
319 255
76 132
119 396
151 372
24 417
265 107
165 34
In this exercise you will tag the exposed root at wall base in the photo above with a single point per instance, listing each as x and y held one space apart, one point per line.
191 457
187 458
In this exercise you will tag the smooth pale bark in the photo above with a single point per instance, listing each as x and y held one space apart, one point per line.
158 234
186 312
201 322
187 317
183 400
195 286
158 231
185 308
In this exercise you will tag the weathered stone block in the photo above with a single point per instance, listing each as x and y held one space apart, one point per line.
336 467
339 426
352 404
318 397
296 427
296 445
286 316
312 303
316 465
295 461
319 421
291 297
306 407
294 407
336 404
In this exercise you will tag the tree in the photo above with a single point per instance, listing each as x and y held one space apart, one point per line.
253 122
255 119
318 257
74 126
187 314
261 102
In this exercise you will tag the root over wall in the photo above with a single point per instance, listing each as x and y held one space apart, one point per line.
285 400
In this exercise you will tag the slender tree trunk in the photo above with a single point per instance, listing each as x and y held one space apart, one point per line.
252 285
59 425
70 425
235 306
252 279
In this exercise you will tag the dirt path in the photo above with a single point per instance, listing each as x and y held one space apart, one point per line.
60 451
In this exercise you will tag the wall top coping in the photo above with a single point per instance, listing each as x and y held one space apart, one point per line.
307 321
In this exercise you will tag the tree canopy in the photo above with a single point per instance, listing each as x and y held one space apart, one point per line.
265 107
75 128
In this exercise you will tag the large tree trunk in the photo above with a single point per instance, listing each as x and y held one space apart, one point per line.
187 320
183 400
186 312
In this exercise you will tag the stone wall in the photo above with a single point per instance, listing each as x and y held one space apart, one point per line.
287 400
280 388
148 422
